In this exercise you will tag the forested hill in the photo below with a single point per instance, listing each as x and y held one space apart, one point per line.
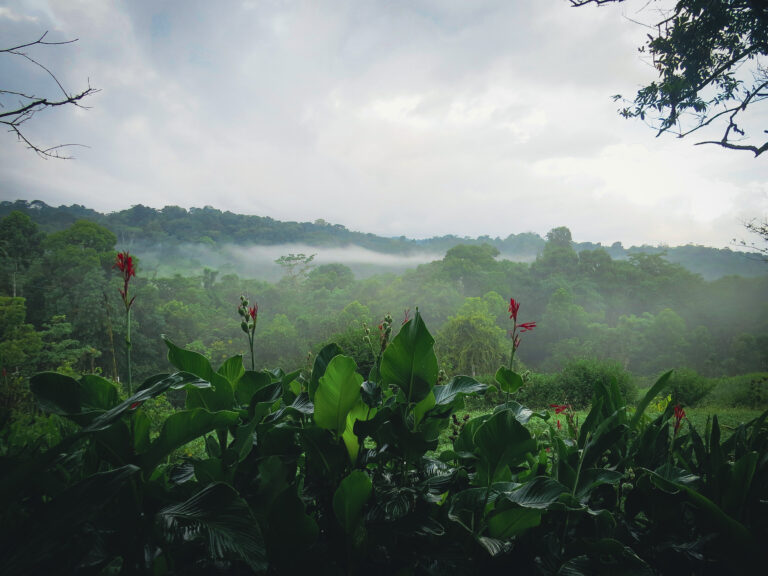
143 228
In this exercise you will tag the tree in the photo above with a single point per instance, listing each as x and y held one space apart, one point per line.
20 245
708 58
18 107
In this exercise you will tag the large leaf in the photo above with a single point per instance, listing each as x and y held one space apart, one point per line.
409 361
56 393
220 397
157 386
322 360
540 492
360 412
218 515
508 519
508 380
249 384
232 369
183 427
501 442
98 393
337 393
457 387
350 498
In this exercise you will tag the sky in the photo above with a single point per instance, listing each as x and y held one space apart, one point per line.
394 117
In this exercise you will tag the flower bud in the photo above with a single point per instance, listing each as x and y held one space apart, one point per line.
244 326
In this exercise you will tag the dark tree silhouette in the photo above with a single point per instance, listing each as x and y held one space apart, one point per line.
17 107
708 56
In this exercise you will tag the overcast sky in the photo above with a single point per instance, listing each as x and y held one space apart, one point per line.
415 118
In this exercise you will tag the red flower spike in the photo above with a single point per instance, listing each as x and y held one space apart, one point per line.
526 326
559 426
679 415
253 311
559 408
514 306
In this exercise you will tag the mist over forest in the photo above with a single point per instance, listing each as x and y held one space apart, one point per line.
648 309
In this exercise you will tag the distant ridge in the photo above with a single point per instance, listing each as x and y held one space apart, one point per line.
144 226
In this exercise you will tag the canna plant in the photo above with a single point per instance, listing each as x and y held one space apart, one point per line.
331 471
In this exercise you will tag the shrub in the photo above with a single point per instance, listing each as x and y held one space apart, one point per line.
745 391
540 391
688 387
578 378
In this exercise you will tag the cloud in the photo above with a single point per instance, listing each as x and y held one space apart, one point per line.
401 118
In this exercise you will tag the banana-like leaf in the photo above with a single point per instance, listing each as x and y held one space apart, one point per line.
457 387
350 498
218 515
337 394
220 396
183 427
409 361
322 360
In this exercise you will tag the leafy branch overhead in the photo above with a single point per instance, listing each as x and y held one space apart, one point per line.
708 57
17 107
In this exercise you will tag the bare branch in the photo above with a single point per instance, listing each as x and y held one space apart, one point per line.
29 105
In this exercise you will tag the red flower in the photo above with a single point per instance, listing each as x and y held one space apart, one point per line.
679 415
514 306
124 263
253 311
526 326
559 408
559 426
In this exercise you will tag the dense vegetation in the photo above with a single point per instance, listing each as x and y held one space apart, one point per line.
121 454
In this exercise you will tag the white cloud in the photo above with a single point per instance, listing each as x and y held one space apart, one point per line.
415 119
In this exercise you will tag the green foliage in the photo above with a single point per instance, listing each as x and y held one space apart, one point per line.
580 378
688 387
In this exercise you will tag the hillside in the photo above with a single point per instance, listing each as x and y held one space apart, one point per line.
175 239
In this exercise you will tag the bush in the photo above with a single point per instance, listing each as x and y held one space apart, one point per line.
688 387
540 391
578 378
745 391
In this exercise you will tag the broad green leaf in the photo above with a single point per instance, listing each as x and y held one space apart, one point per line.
350 498
508 380
219 397
219 516
243 442
359 412
337 393
97 393
322 360
409 361
56 393
739 483
232 369
157 387
248 384
738 532
591 478
422 408
508 519
183 427
539 492
457 387
501 442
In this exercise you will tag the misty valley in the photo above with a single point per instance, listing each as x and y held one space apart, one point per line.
206 392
